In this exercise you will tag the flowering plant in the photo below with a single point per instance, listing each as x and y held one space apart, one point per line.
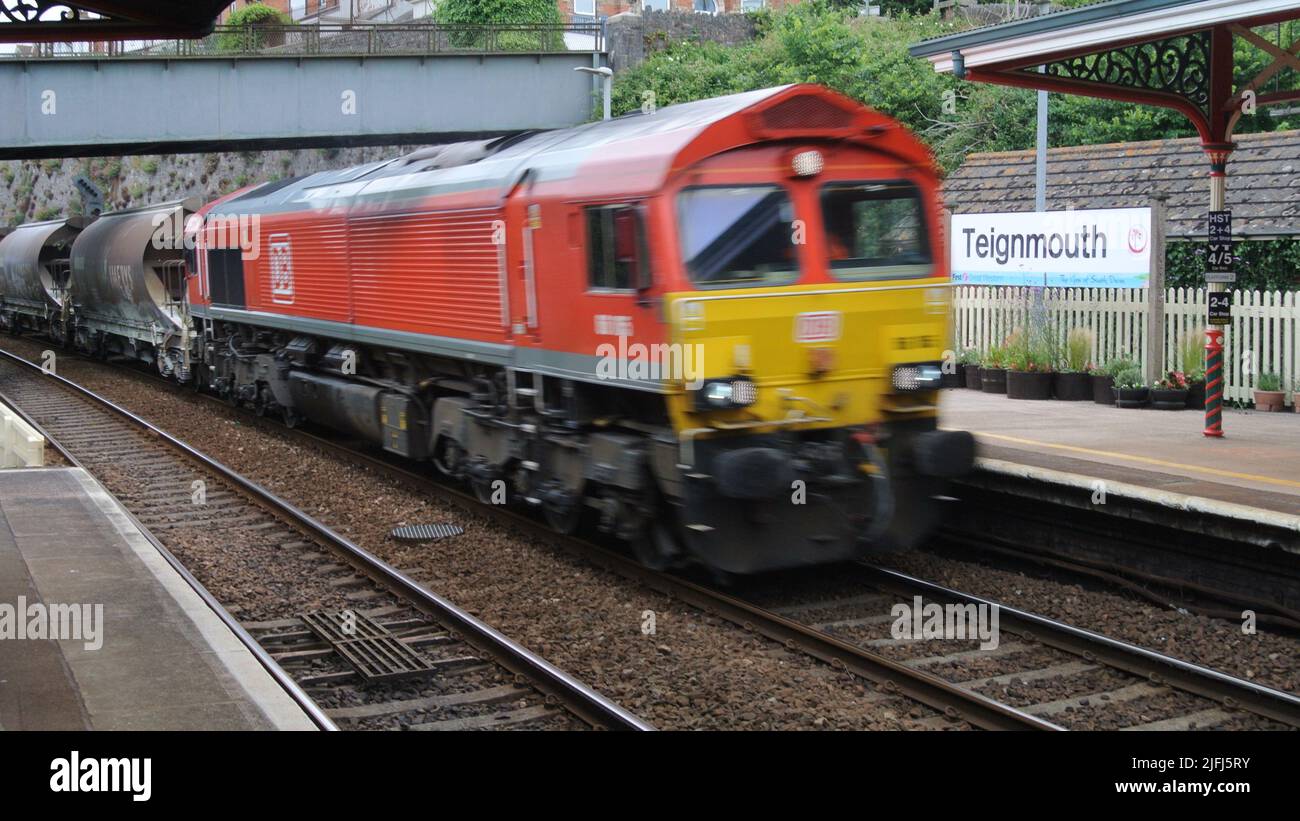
1173 381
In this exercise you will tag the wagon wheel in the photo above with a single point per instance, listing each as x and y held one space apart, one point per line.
566 520
656 547
482 490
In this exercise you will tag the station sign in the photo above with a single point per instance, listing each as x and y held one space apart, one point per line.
1219 307
1219 260
1103 248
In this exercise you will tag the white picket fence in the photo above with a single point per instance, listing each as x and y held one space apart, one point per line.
1264 335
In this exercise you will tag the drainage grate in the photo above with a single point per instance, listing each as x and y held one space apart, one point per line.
375 653
425 533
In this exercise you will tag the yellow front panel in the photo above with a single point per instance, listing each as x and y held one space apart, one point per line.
824 349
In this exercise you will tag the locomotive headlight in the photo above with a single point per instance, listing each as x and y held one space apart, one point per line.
720 394
807 163
925 376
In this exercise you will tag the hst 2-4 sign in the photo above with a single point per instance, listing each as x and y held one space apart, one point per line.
1109 248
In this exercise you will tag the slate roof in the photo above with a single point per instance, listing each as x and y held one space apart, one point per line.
1263 182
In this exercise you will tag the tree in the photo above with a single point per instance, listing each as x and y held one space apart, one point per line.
504 13
248 20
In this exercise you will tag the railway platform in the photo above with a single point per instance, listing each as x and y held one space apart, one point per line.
102 631
1255 466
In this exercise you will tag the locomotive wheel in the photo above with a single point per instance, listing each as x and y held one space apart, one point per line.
261 403
656 548
482 490
566 521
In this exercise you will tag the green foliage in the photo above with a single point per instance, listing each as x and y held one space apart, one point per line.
503 13
1078 350
48 213
1269 381
1119 365
867 59
1191 355
1129 377
1269 265
249 18
149 166
968 356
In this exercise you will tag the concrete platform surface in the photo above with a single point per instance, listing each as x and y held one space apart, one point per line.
98 631
1257 462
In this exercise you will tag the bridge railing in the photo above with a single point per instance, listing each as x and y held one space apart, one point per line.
337 39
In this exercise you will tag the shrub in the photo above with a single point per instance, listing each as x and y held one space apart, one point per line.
1119 365
1269 381
1129 377
1191 355
249 18
1078 350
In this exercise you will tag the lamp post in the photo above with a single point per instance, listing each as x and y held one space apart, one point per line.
606 74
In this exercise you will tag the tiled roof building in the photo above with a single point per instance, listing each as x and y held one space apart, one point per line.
1263 182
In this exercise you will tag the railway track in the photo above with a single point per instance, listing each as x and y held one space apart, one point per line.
354 641
1086 672
1062 674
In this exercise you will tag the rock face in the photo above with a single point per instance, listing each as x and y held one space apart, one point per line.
33 190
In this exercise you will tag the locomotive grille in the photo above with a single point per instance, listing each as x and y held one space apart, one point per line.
803 113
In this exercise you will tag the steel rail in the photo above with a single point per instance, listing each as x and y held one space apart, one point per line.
308 705
580 699
946 696
1232 692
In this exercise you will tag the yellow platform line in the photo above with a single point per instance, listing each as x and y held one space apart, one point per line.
1146 460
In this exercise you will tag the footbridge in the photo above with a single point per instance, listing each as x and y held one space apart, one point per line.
294 86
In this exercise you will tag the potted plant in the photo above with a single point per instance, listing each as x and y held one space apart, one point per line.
1130 391
993 375
1170 393
957 379
971 357
1295 396
1103 379
1191 356
1073 383
1269 395
1029 368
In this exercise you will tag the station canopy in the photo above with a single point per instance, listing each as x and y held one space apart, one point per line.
31 21
1173 53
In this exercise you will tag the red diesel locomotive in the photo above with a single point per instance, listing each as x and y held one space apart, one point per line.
714 329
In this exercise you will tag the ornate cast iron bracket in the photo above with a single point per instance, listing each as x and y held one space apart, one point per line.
1178 65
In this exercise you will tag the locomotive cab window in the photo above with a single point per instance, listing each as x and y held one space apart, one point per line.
875 230
736 237
617 259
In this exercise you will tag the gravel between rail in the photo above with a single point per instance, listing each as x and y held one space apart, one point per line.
697 671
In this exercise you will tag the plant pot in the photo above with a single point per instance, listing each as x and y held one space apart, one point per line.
1196 395
1029 385
1131 397
1169 398
973 379
1270 401
994 380
955 379
1103 389
1072 387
